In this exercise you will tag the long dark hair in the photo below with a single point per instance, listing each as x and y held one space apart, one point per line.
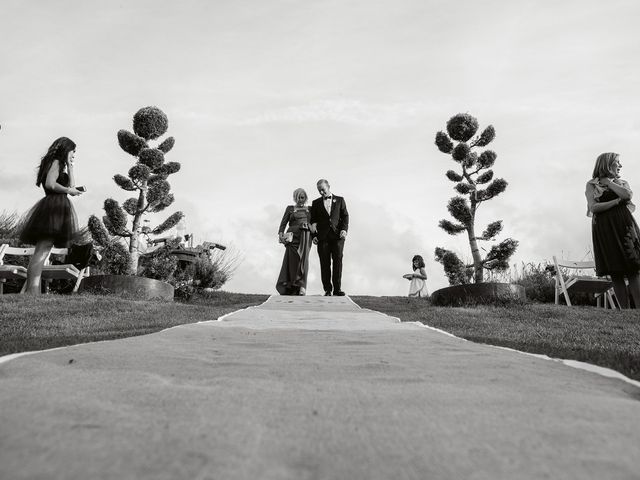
420 261
59 150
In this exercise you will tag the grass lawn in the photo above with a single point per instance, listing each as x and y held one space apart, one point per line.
37 323
601 337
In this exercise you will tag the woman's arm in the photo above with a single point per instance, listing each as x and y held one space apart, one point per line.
51 182
623 191
422 274
604 206
72 178
285 220
598 207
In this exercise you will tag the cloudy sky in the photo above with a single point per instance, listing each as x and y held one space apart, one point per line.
265 96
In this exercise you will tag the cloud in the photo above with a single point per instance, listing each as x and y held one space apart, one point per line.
347 111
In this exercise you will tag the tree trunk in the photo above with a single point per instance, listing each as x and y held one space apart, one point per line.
134 253
134 242
478 270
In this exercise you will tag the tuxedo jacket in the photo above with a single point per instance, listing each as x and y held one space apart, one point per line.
330 225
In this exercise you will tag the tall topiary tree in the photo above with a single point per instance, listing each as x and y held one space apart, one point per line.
147 178
475 184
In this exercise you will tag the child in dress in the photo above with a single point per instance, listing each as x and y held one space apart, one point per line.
418 279
52 221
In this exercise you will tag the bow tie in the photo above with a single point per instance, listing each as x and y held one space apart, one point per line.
327 198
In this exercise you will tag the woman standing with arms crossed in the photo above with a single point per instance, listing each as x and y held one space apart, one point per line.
52 221
616 237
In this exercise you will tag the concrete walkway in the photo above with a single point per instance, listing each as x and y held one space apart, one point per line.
310 388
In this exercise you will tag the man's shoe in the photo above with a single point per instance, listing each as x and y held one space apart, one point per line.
339 293
327 294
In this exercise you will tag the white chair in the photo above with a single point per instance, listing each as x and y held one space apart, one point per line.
600 287
49 272
12 272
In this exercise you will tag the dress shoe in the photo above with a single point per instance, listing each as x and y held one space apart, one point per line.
339 293
302 291
327 294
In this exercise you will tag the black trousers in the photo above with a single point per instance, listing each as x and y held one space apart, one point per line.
330 251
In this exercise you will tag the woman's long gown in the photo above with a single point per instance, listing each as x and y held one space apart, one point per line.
418 286
616 239
295 264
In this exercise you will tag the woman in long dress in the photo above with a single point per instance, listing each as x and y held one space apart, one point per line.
418 279
616 237
52 222
297 241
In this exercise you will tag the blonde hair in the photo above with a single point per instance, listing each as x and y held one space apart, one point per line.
604 165
297 192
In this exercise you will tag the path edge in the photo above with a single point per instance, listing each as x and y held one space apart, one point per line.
13 356
589 367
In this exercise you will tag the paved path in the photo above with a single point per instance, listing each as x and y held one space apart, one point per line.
310 388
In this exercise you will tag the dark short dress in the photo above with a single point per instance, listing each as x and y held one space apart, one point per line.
295 264
52 218
616 239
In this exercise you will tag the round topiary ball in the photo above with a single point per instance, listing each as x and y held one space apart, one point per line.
460 152
462 127
150 122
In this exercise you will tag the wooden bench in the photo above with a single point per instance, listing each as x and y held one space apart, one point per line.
600 287
49 272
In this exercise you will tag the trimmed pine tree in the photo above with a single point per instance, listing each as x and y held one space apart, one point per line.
475 183
147 179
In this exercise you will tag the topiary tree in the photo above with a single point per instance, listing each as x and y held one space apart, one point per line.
116 259
147 178
475 184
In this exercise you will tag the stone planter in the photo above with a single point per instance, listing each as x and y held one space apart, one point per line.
478 293
127 285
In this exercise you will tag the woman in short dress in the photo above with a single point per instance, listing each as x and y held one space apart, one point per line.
52 221
616 237
297 241
418 279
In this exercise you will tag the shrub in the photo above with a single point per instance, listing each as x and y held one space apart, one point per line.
160 264
115 260
539 284
210 272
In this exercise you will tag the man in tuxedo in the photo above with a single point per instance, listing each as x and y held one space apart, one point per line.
329 224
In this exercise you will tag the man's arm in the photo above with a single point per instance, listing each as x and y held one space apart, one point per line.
343 223
313 216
